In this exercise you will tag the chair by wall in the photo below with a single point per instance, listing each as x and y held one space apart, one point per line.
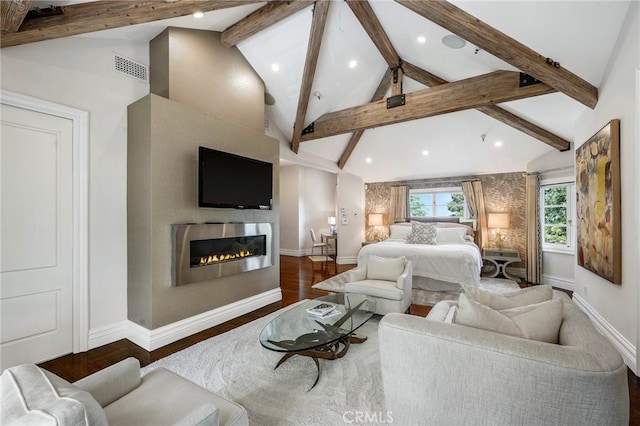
317 243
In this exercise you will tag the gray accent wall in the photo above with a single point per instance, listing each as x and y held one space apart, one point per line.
199 106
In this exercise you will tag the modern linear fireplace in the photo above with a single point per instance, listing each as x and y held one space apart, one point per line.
207 251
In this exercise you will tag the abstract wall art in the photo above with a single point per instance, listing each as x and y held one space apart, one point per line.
598 203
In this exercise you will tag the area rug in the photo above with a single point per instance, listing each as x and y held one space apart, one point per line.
236 366
422 297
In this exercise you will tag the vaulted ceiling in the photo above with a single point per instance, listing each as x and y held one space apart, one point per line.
368 87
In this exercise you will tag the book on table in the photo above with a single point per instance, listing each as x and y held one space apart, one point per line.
321 309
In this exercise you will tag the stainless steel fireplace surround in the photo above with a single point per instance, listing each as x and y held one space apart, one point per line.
202 252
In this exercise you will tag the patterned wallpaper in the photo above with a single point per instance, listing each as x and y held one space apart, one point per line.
504 192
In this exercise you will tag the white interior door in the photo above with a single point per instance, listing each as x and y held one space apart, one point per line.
36 254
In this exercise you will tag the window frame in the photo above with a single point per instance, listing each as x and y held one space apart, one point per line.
434 192
570 246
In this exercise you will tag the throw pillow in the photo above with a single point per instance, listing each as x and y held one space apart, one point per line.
450 235
523 297
422 233
540 321
399 231
384 268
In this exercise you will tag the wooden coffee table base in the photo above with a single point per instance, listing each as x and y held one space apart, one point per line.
334 350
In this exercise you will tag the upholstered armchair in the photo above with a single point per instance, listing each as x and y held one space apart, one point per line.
116 395
386 280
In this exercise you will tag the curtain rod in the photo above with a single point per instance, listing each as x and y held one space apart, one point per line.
555 169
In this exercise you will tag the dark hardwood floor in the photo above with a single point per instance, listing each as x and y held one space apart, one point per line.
297 275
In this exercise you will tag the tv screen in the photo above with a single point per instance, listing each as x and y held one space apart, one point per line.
232 181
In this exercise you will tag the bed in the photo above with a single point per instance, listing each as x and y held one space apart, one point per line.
440 262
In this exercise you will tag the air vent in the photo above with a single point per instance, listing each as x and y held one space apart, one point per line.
131 68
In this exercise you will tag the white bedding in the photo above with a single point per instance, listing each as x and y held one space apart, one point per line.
455 263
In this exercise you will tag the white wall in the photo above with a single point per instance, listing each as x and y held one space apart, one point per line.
307 199
615 307
77 72
351 204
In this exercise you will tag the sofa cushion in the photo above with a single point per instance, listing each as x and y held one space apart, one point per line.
384 268
422 233
540 321
514 299
375 288
31 395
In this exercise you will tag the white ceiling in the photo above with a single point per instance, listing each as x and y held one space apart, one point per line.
579 34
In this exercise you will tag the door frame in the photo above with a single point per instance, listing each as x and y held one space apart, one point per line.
80 208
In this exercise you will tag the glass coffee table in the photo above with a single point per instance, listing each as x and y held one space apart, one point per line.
298 332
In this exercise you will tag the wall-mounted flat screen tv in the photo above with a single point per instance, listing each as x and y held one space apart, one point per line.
228 180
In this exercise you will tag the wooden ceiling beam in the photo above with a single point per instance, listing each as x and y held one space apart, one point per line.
272 13
369 21
500 114
12 14
320 13
379 94
504 47
107 14
493 88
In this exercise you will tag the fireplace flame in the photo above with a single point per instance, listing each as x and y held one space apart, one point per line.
211 259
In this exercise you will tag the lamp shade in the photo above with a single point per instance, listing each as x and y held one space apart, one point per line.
375 219
498 220
331 220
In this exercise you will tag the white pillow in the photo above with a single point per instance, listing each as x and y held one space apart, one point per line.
514 299
540 321
450 235
422 233
384 268
400 231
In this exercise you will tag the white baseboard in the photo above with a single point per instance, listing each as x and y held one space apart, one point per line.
303 252
109 334
624 346
558 282
346 260
159 337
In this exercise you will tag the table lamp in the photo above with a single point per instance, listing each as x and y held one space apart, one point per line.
332 221
375 220
498 221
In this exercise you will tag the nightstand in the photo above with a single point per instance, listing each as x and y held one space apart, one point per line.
496 261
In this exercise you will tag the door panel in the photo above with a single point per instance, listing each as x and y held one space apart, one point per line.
36 233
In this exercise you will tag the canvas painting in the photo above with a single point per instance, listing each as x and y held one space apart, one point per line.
598 203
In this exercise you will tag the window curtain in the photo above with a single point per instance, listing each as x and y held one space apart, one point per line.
475 203
398 204
532 206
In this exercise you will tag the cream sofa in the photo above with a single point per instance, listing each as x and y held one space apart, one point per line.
442 373
116 395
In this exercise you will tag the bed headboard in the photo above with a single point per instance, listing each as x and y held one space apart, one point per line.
453 219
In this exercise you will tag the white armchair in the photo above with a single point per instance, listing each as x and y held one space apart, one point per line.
386 280
116 395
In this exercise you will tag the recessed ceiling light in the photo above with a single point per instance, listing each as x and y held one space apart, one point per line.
421 39
353 63
368 160
453 41
425 152
198 15
275 67
498 144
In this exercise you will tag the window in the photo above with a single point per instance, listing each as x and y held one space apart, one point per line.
437 202
557 203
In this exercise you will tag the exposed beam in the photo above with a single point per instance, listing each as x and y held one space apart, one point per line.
106 14
12 14
494 111
273 12
379 94
320 13
493 88
504 47
371 24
